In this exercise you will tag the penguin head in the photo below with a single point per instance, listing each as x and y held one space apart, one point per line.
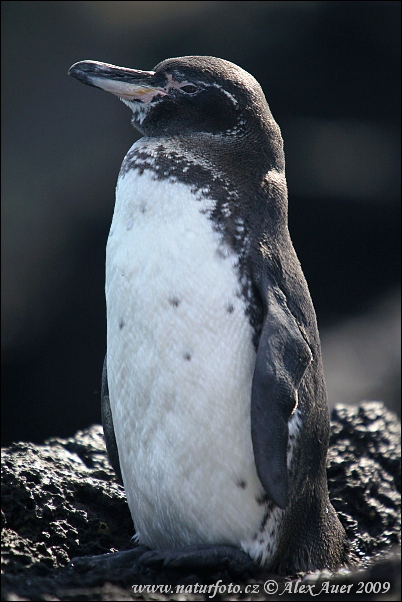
184 96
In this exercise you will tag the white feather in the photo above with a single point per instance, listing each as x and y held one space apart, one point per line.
180 366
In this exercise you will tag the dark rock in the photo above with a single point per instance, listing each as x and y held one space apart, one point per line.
61 500
364 476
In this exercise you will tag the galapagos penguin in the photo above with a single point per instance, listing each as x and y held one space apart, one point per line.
213 400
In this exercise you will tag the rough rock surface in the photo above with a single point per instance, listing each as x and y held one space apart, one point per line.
61 500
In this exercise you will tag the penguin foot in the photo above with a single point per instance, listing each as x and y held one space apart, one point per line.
198 558
203 558
108 562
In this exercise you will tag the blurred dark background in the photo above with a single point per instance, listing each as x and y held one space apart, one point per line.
331 74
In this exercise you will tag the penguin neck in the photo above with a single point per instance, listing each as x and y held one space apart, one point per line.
238 160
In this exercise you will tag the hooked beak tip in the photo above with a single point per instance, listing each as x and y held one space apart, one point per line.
127 84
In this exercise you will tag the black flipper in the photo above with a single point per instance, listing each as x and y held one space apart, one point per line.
108 429
283 356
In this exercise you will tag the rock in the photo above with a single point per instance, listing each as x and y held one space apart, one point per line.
61 500
364 476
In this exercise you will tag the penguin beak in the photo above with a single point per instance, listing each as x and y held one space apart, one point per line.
127 84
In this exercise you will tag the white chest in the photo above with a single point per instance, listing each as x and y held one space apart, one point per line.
180 366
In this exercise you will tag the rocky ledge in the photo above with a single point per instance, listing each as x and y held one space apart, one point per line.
61 500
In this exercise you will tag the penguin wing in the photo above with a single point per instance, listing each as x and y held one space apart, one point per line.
108 428
283 356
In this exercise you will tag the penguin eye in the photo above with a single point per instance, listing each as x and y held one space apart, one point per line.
190 89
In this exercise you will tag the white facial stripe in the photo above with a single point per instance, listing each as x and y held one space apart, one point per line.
228 94
177 85
173 84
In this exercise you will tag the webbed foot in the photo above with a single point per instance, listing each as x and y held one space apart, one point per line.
108 562
202 558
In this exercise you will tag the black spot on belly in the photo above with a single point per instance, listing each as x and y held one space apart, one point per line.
264 521
121 323
175 301
230 308
187 356
143 208
262 499
241 483
222 253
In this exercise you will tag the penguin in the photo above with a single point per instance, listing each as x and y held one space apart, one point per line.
214 403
